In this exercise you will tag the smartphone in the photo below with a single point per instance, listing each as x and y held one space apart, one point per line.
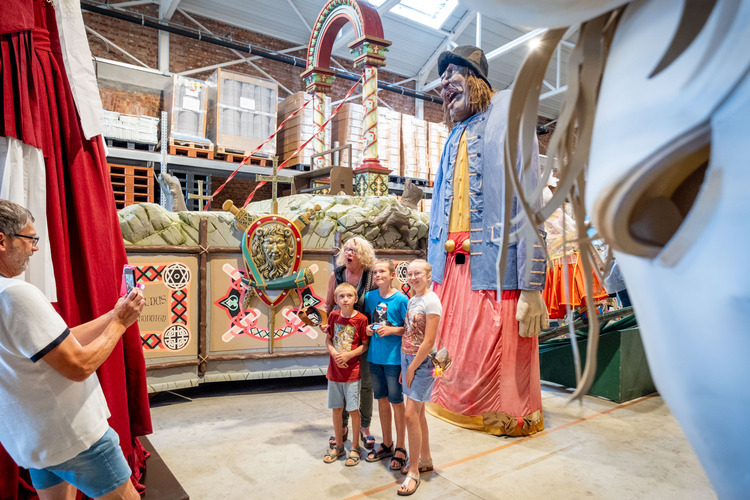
128 276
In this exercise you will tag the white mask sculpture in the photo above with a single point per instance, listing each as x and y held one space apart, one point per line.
666 186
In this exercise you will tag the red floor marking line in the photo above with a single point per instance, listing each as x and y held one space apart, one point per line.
508 445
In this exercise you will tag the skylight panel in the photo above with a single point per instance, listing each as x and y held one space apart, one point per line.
432 13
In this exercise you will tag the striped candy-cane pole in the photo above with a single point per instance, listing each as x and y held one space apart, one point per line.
370 101
319 118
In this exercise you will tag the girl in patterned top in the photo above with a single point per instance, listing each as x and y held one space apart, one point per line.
422 320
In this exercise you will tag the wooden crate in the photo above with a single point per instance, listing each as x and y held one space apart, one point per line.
131 184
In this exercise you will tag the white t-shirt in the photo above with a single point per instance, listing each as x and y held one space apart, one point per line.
416 320
45 418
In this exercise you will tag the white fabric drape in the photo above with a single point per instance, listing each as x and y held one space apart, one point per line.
79 67
23 181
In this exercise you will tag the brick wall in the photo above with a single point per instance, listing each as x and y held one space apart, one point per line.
186 54
238 190
126 101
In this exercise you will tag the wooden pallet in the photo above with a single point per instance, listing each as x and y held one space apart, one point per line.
238 157
131 184
191 149
119 143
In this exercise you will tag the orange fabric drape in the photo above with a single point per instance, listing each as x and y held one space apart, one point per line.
554 291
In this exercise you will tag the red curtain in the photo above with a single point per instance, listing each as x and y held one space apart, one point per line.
88 250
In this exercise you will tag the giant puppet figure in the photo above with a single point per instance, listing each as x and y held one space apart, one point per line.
666 186
493 385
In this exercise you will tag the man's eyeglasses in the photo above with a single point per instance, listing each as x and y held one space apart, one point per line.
34 239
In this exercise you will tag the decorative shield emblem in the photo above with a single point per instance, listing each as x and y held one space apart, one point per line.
272 249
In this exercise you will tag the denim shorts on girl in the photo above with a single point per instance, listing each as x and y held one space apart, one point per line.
97 471
385 382
421 386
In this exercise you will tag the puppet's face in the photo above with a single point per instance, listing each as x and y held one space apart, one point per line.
455 93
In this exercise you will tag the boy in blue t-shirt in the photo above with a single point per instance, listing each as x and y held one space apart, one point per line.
386 308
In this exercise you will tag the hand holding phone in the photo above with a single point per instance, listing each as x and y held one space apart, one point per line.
128 280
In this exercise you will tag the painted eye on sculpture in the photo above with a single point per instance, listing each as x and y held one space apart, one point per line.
641 212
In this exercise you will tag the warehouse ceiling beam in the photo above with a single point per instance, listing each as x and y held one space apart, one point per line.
406 80
232 63
478 31
134 3
504 49
110 43
557 88
553 93
299 14
167 8
246 60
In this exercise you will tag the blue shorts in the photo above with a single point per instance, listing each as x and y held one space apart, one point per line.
421 386
385 382
344 392
97 471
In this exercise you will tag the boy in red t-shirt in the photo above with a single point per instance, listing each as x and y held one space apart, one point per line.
346 342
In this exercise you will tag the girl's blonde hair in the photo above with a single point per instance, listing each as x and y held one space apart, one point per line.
425 265
363 249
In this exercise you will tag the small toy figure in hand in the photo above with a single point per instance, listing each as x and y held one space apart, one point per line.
346 341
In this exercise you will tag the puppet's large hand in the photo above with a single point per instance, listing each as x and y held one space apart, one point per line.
531 313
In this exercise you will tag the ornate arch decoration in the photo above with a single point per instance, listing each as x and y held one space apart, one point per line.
369 50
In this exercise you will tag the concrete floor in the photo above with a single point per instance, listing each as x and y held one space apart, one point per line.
266 439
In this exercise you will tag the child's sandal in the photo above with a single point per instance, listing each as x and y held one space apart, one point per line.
382 452
403 491
332 439
334 454
401 462
423 467
354 457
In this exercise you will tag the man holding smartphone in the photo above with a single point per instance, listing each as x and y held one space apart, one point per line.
54 412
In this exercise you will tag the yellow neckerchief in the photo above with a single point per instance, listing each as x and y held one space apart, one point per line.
459 220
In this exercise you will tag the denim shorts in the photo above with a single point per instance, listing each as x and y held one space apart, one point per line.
421 386
97 471
385 382
344 392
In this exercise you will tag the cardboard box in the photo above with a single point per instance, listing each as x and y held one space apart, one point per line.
300 128
186 101
241 112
